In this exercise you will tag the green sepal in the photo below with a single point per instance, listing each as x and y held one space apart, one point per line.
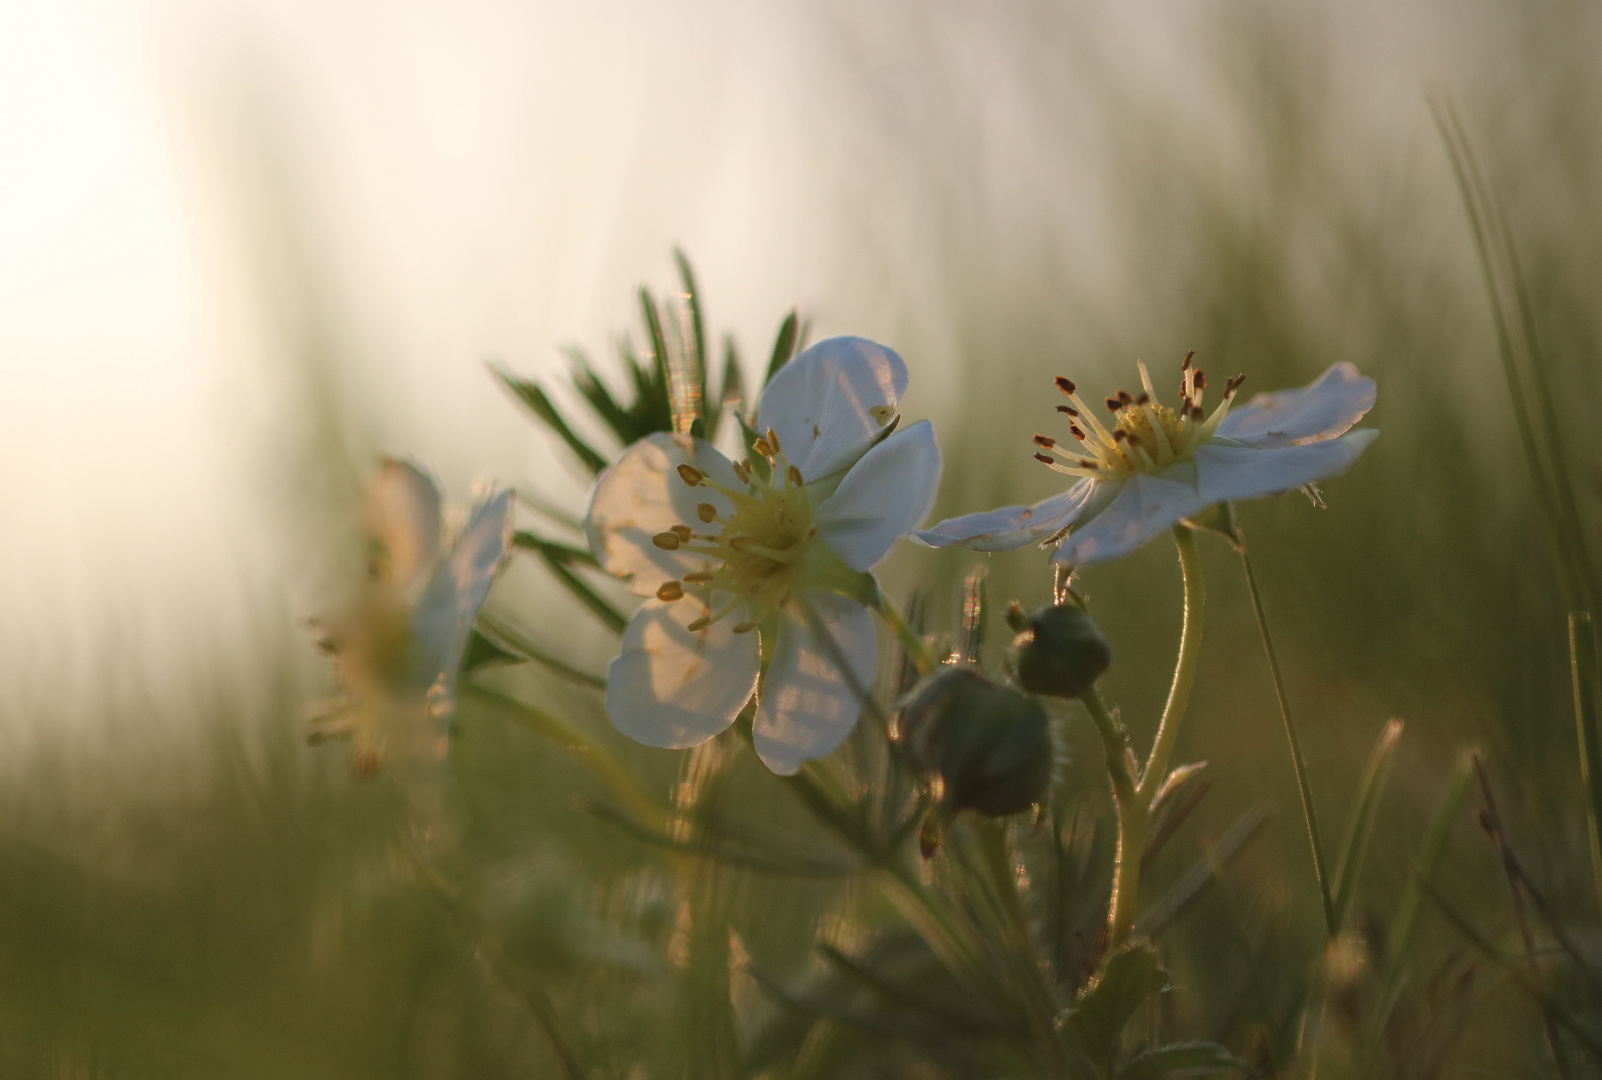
784 345
1218 518
532 396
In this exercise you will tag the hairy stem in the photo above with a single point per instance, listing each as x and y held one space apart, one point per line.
1184 671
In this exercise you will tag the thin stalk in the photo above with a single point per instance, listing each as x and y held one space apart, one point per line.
910 640
1184 672
1583 666
1309 815
1133 816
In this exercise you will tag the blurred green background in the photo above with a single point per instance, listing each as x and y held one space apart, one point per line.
367 201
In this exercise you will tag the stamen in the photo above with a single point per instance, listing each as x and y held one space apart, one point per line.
744 628
1114 404
1046 459
684 532
706 512
691 475
1074 430
1045 441
667 541
1232 385
773 441
1067 410
1201 379
1142 399
793 475
1184 365
700 577
1065 384
762 446
670 591
1145 378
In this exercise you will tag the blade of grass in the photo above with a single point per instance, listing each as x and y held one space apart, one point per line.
540 405
1370 791
1583 669
783 345
513 641
1298 759
1194 881
556 561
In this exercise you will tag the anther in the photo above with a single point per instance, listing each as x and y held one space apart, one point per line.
793 474
706 511
1066 385
1047 460
1142 399
1045 441
667 541
744 628
1067 410
1114 404
700 624
1074 430
1233 385
773 441
1125 398
684 533
670 591
698 578
1184 365
763 447
1201 379
691 475
1120 435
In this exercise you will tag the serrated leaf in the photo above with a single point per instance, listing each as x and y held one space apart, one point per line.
539 404
1187 1059
1126 980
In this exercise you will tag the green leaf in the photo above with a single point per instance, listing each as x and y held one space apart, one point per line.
1370 790
566 552
1126 980
695 345
482 652
1189 1058
534 398
1181 792
784 345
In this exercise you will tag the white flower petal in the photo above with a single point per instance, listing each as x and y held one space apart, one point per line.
1243 472
445 613
402 512
884 495
822 403
1322 409
1011 526
1145 506
808 704
673 688
640 495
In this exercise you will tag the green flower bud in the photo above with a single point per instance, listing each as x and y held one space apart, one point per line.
990 744
1058 651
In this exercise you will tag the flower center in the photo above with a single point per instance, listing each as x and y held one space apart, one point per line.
757 553
1144 436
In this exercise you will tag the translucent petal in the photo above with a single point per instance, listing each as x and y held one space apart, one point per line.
822 404
640 495
809 701
673 688
444 614
402 513
1232 473
1145 506
1011 526
884 495
1322 409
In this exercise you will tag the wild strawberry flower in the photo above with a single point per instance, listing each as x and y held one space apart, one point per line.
759 567
398 642
1154 466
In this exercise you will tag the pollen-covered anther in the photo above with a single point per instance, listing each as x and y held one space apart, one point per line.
691 475
706 512
793 474
684 532
1065 384
667 541
1045 442
744 628
1200 381
773 440
1113 405
1233 385
1075 431
763 447
697 578
1067 410
699 624
670 591
1046 458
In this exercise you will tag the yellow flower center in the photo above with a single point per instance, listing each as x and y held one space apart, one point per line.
1144 436
756 556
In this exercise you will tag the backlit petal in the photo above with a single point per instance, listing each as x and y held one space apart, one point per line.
446 611
1243 472
884 495
1322 409
640 495
814 690
1011 526
1146 505
822 403
402 513
673 688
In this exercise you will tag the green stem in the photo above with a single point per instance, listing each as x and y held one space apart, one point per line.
1309 815
1132 819
910 640
1184 672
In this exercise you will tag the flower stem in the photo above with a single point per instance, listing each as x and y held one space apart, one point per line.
1310 816
1162 749
910 640
1132 819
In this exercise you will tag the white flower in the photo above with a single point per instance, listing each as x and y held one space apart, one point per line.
761 564
1157 466
398 643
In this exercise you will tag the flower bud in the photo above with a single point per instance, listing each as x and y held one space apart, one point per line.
990 744
1058 651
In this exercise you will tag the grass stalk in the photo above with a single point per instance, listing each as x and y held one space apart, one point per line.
1583 668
